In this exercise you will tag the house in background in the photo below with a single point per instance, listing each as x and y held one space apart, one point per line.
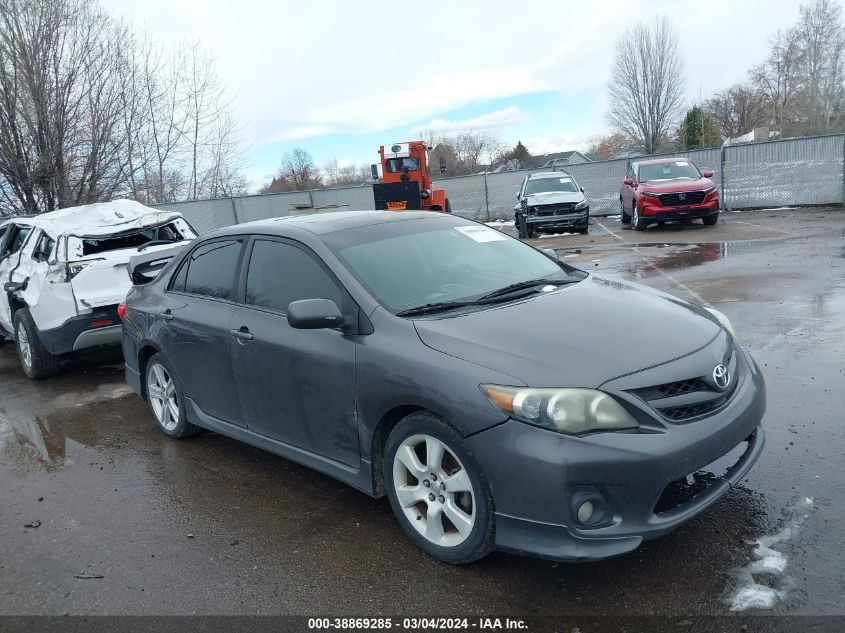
561 159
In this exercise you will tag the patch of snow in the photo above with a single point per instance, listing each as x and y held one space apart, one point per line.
613 217
544 235
498 223
778 208
771 562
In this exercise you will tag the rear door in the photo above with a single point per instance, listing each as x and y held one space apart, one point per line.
296 386
196 313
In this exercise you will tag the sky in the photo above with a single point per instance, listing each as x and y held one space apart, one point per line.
339 78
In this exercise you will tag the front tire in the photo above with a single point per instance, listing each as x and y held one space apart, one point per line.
522 227
166 400
626 219
711 220
637 223
36 361
438 491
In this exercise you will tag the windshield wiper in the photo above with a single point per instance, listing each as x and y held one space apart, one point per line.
440 306
493 297
524 285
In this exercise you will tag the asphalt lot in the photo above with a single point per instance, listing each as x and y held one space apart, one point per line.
211 526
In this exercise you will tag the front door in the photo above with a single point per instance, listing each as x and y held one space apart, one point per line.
296 386
11 243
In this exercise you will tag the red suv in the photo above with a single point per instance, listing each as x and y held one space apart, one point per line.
667 189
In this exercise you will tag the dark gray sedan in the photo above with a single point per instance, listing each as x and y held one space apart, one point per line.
498 397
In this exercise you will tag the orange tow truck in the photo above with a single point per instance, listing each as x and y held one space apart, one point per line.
404 182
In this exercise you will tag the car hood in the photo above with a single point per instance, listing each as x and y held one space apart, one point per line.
676 185
553 197
581 335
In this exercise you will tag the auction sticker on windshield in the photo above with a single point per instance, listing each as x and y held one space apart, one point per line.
481 233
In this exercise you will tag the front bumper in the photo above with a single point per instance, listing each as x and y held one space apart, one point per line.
535 474
101 327
657 212
562 220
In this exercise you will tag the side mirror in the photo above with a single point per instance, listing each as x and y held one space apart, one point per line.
314 314
628 181
551 254
582 189
517 196
707 173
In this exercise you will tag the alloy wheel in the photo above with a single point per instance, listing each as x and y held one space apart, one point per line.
163 398
24 346
434 490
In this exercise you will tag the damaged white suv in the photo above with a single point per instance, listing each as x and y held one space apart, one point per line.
64 273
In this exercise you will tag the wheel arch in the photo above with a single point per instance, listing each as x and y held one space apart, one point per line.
382 430
145 352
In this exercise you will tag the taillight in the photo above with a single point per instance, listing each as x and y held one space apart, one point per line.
121 310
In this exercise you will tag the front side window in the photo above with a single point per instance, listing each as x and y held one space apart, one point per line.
44 248
15 239
210 269
281 273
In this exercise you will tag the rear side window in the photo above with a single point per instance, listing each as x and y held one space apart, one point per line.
210 270
280 273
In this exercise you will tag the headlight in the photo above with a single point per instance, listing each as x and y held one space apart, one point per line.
649 194
725 321
570 411
710 190
530 210
582 204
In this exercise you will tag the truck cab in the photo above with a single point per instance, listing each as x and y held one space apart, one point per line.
404 182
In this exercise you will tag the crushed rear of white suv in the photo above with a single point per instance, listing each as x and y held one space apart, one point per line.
63 274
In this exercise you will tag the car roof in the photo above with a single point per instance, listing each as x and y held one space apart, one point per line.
101 218
324 223
548 174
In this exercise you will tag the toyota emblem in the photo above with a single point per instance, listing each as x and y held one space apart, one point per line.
721 376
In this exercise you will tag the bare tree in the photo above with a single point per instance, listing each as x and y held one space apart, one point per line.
737 110
777 77
647 84
88 113
297 173
607 146
821 60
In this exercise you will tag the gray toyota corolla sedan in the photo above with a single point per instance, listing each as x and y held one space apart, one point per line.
498 397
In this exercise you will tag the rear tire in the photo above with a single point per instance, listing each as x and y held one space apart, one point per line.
166 400
448 206
36 361
710 220
438 491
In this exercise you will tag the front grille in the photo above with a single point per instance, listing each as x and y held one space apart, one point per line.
688 399
555 209
670 389
675 200
686 412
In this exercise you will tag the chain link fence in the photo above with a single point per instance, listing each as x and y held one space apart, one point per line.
789 172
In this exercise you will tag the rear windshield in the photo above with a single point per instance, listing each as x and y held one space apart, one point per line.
669 171
165 233
544 185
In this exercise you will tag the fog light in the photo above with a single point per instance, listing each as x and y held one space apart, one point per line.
585 512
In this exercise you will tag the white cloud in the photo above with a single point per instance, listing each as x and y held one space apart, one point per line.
510 115
552 144
304 69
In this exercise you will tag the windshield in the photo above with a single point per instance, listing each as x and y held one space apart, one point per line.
395 165
545 185
458 263
668 171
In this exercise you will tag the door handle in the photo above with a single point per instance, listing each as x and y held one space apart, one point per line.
242 335
167 315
